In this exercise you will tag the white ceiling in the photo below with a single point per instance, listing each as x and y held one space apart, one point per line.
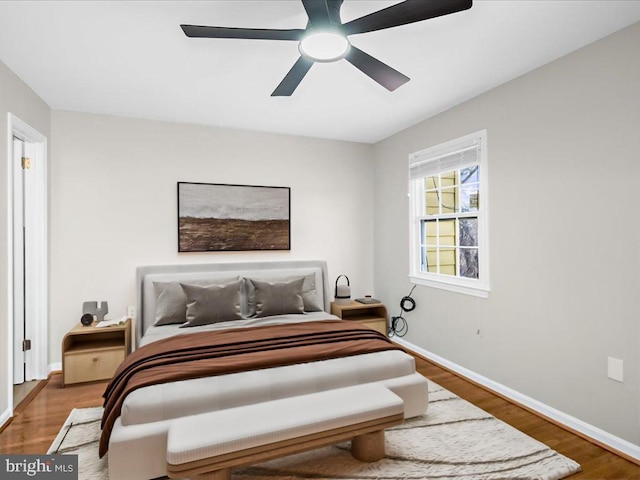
131 58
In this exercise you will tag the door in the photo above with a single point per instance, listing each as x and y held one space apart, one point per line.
18 263
27 290
24 308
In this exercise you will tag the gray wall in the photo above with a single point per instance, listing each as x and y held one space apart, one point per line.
564 232
114 203
18 99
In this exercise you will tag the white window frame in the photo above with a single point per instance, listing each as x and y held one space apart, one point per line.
477 287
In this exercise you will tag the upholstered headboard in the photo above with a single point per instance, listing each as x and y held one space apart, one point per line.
146 275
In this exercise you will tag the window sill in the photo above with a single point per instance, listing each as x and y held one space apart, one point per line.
453 286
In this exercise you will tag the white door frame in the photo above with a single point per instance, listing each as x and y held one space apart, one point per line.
36 245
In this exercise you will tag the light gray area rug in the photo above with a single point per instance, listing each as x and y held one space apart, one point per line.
455 440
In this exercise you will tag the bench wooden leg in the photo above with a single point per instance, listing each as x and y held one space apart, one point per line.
224 474
368 447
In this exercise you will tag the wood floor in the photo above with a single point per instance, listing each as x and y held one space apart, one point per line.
597 463
35 426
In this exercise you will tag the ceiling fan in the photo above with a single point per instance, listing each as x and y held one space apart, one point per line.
325 37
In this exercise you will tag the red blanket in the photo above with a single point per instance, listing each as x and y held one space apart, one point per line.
205 354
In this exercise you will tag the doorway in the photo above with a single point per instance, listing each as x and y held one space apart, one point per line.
28 339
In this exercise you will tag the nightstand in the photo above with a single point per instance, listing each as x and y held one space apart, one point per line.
92 353
372 314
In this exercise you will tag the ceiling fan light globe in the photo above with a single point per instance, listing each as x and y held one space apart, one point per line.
324 46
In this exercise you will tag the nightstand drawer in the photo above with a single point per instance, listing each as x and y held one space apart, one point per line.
92 365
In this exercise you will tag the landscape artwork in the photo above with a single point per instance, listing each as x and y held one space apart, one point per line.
220 217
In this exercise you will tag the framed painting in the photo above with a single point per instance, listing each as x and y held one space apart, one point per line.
222 217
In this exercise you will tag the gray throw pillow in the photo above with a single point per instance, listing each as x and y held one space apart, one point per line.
310 297
277 298
212 303
171 303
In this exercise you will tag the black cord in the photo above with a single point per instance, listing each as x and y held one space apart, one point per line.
399 326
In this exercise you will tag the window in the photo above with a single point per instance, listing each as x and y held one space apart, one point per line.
448 208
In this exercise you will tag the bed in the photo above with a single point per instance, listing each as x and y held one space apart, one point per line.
138 435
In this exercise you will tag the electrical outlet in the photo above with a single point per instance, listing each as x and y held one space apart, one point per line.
131 311
615 369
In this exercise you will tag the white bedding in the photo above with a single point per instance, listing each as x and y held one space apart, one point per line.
189 397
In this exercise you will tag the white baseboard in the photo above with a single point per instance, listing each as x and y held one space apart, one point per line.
4 417
54 367
599 436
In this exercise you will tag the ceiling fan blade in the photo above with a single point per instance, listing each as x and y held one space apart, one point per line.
201 31
323 12
317 11
409 11
374 68
292 79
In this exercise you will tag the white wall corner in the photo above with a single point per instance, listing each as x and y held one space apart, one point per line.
599 436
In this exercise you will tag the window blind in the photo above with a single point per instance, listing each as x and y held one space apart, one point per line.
457 155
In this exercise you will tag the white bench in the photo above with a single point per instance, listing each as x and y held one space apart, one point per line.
208 445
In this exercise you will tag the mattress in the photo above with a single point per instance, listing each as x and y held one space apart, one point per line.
189 397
